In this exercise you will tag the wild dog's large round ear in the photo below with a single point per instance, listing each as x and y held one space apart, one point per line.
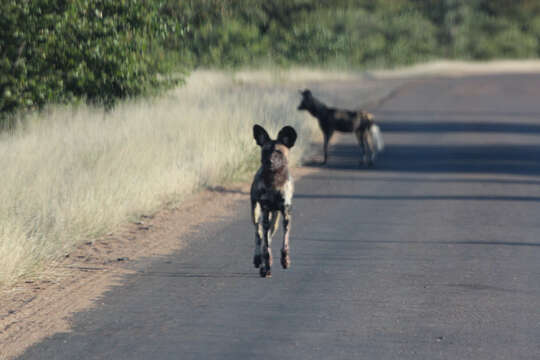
260 135
287 136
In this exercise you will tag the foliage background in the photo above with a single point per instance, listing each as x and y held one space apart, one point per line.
61 50
103 50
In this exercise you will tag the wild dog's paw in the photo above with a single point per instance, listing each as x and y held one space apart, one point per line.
285 259
257 261
264 272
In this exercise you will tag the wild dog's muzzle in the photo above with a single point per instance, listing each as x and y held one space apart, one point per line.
274 161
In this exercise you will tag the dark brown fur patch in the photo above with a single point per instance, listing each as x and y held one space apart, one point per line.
275 179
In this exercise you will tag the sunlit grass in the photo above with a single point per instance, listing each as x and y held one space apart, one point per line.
455 68
70 174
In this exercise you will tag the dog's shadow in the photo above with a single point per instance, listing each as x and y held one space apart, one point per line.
511 159
201 274
343 157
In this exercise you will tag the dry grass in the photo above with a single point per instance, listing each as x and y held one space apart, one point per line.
447 68
455 68
71 174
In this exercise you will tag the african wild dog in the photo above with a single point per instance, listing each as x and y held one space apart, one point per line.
271 194
331 119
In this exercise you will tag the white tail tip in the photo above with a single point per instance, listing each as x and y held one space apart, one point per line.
377 137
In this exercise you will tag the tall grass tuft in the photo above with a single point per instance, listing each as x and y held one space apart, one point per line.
70 174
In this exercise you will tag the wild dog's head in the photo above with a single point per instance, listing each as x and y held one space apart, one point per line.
275 153
307 100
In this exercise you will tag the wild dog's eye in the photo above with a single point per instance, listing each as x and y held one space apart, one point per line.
279 152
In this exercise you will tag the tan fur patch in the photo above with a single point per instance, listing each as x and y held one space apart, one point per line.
283 149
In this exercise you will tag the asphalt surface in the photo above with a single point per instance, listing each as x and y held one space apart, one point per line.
433 254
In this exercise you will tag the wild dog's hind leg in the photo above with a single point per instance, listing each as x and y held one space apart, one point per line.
369 148
327 137
361 142
256 217
285 259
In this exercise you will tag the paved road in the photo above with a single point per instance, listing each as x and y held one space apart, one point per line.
434 254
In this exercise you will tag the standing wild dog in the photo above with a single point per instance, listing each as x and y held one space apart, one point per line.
360 122
271 194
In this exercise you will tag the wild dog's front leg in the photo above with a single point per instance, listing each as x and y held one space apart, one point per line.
327 137
265 270
258 239
285 259
369 148
256 217
361 142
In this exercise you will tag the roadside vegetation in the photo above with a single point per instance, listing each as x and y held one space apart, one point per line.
105 114
104 50
72 173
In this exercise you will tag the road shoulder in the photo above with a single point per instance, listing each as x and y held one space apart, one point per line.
36 309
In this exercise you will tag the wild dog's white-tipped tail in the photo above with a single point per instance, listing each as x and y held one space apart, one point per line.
377 137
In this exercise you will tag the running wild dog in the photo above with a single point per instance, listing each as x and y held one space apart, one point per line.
331 119
271 194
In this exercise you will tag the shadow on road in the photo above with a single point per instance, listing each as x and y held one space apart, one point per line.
384 114
430 157
193 274
485 159
452 180
419 197
405 242
415 126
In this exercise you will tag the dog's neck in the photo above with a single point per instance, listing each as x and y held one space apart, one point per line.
317 107
275 178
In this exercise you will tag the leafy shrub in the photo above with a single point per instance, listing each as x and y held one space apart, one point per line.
103 50
232 43
57 50
482 37
359 38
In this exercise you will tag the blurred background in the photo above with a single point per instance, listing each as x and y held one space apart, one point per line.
101 51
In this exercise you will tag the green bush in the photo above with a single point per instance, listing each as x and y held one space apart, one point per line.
482 37
358 33
358 39
232 43
103 50
100 51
